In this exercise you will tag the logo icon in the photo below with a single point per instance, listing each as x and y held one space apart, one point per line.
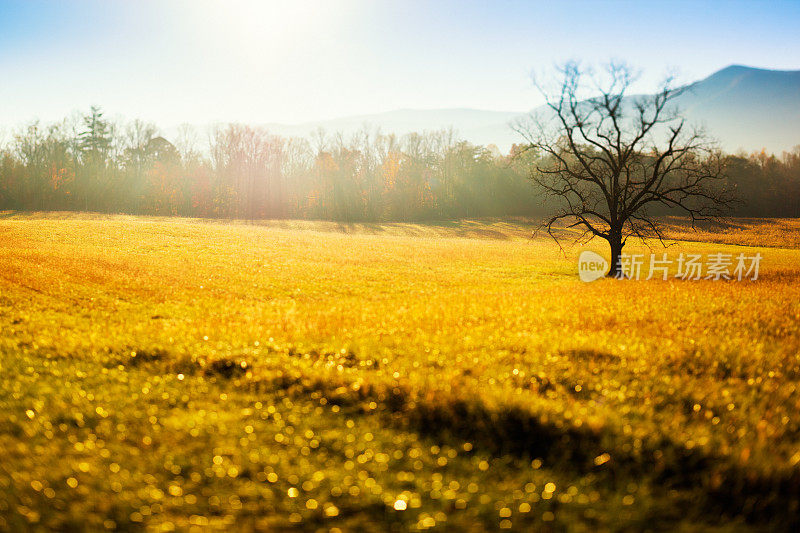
591 266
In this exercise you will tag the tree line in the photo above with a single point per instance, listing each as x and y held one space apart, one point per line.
244 172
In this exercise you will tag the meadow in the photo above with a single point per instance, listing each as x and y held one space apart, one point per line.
183 374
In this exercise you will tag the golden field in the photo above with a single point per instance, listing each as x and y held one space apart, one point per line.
175 374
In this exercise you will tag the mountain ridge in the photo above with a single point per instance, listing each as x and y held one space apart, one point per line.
745 108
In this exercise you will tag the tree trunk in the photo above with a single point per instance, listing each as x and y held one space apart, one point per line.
615 241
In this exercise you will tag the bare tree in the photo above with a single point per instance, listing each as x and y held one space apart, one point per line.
186 142
609 159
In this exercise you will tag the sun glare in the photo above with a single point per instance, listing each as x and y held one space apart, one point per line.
261 27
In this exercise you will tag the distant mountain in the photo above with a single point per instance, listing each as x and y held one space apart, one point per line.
743 107
477 126
747 108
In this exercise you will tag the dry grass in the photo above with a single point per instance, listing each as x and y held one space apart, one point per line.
169 373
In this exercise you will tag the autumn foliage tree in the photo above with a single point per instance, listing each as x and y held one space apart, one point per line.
91 163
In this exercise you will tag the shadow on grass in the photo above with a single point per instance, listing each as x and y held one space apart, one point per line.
721 488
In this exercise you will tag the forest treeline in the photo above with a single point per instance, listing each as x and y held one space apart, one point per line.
92 164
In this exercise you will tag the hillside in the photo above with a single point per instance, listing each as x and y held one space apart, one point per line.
747 107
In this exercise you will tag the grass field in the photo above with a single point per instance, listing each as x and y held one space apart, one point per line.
178 374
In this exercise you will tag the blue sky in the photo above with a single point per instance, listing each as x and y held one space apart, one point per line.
273 61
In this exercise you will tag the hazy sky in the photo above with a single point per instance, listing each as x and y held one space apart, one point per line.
273 61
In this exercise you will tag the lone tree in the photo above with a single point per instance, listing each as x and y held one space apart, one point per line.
610 159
